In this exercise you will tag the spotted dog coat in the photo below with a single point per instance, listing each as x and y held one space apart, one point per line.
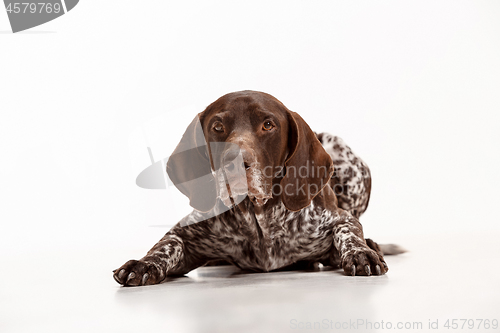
267 232
351 181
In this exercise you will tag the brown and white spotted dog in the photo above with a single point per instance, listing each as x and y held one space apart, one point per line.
287 217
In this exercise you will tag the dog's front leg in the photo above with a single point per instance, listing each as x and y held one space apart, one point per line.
356 256
178 252
162 258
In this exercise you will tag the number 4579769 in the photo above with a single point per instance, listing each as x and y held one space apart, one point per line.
471 324
33 7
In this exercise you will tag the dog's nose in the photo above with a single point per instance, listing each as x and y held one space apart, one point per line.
233 164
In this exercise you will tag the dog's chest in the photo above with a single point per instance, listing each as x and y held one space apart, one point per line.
275 238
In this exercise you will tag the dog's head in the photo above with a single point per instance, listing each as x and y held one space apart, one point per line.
249 143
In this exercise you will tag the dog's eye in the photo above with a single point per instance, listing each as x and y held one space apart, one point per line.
267 126
218 127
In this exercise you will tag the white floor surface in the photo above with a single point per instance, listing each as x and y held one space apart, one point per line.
441 278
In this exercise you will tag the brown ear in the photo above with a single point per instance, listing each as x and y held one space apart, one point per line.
308 166
189 168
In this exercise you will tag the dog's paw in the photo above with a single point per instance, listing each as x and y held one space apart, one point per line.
364 261
137 273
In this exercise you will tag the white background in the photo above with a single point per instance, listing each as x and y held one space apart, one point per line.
412 87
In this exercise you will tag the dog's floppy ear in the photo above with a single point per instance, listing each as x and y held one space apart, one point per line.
308 166
189 168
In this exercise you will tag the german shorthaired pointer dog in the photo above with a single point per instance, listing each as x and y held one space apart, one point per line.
300 205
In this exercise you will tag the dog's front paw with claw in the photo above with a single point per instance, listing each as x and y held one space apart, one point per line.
138 273
364 262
